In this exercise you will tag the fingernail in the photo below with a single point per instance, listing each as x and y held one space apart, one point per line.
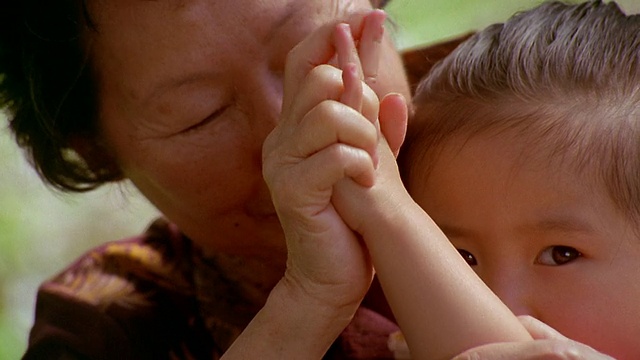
345 27
378 17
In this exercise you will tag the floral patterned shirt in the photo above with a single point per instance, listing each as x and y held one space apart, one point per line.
156 297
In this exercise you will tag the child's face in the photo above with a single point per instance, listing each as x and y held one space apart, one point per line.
549 243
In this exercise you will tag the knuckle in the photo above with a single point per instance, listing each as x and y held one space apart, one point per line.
370 95
340 154
328 114
324 76
328 109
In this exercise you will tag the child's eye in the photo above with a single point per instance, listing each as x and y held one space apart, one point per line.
468 257
557 255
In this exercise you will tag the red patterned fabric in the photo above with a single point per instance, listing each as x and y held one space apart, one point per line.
157 297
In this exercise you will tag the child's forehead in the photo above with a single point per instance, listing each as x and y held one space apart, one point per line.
534 136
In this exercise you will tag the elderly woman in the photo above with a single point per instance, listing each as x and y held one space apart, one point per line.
178 97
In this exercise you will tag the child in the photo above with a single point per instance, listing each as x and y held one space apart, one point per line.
327 132
526 153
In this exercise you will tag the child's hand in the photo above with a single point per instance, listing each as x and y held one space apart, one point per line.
547 344
361 207
327 132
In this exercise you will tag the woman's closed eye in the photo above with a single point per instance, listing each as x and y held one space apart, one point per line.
215 115
557 255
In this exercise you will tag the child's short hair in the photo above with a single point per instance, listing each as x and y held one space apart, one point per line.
564 77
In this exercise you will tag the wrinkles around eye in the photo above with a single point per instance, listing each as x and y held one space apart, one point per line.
209 119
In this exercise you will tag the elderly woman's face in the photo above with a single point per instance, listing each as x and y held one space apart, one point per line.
188 91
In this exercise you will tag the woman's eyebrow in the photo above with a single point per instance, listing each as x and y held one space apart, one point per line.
179 81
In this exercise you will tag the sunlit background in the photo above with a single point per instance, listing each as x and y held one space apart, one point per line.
42 231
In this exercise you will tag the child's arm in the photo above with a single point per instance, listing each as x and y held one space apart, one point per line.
549 344
441 305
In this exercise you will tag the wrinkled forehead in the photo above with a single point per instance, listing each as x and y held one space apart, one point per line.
142 40
230 14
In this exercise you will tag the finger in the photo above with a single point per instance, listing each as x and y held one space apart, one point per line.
539 330
352 93
325 82
337 162
332 122
526 350
393 119
349 62
346 48
318 48
530 350
370 45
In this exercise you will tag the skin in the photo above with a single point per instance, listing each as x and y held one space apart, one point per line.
327 269
186 99
185 112
511 215
327 166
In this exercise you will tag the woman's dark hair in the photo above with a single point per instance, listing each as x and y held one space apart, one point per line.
47 90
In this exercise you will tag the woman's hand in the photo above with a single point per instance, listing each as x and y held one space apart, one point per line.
327 132
547 344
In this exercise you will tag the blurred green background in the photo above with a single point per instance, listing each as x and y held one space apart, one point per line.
42 231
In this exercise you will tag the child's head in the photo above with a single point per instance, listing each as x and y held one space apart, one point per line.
525 149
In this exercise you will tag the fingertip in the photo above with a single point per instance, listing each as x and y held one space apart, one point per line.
394 106
378 18
393 119
538 329
396 98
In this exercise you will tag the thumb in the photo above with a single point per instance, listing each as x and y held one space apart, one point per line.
539 330
393 118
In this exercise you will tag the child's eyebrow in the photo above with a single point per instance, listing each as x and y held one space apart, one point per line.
452 231
549 223
561 223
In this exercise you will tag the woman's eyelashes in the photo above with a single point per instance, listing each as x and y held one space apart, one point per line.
214 116
557 255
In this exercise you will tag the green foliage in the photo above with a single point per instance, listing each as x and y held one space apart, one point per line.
427 21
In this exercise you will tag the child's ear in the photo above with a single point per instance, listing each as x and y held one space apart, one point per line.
96 155
419 61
